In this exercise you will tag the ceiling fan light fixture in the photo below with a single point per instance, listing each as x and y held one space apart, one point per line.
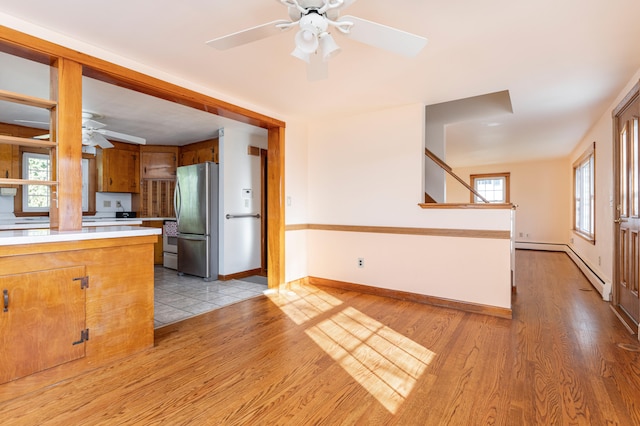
306 40
298 53
329 47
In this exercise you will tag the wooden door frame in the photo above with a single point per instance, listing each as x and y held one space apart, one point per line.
33 48
632 96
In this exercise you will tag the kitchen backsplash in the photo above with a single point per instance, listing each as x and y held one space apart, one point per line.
106 204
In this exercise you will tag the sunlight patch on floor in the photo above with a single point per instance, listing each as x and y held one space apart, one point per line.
383 361
302 306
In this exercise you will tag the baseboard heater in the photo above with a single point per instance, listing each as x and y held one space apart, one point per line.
603 287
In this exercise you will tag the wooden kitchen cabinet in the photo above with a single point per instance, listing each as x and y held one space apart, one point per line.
199 152
116 305
158 162
158 248
9 158
42 320
119 168
156 198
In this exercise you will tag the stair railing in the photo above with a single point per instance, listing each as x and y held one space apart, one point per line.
444 166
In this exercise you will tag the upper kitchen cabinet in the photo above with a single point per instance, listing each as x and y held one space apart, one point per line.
158 162
199 152
8 162
10 154
119 168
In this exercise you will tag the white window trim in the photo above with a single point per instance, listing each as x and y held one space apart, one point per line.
588 159
505 176
25 189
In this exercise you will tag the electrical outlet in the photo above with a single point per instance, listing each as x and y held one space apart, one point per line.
361 262
118 204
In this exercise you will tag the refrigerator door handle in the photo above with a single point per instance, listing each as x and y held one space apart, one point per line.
194 237
176 204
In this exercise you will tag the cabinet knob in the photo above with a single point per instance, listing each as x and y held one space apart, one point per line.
5 294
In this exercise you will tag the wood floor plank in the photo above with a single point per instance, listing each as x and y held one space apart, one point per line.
331 356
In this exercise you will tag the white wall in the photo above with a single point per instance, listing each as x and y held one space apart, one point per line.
6 207
367 170
296 199
599 256
240 239
539 190
107 198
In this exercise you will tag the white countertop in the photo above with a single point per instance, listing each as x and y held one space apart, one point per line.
46 235
43 222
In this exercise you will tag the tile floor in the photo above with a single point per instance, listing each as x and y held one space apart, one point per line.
180 297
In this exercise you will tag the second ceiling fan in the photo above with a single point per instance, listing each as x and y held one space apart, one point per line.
94 134
314 43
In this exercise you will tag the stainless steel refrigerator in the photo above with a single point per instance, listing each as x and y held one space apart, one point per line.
196 203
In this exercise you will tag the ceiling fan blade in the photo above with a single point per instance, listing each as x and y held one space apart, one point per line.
249 35
384 37
122 136
317 69
99 140
91 124
32 122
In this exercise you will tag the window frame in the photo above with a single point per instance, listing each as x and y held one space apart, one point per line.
92 185
24 158
504 175
587 158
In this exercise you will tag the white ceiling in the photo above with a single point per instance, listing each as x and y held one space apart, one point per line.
562 62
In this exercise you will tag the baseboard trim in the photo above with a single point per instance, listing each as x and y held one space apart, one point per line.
602 286
414 297
239 275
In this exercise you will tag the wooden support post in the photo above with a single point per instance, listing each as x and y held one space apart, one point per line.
65 213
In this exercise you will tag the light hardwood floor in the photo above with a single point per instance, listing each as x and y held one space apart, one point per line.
322 356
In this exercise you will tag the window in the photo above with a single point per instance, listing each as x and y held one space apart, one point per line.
36 198
494 187
584 194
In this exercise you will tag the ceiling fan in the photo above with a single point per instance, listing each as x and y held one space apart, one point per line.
94 133
313 41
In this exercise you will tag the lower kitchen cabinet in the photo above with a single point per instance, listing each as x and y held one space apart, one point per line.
42 321
158 249
53 328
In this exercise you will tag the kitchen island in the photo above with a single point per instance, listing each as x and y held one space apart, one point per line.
72 301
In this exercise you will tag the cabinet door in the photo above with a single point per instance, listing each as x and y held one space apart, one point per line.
122 171
158 248
5 161
205 154
188 158
157 198
158 165
42 317
9 159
